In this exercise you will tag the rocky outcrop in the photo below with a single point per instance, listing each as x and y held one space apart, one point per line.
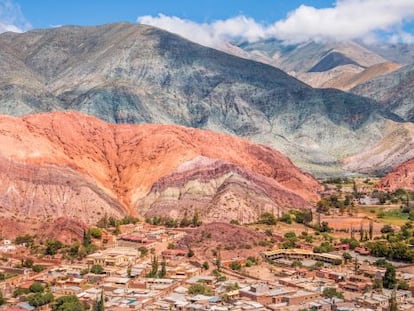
402 177
75 166
216 190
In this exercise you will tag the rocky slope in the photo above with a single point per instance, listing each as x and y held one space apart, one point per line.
75 166
400 177
319 64
395 91
126 73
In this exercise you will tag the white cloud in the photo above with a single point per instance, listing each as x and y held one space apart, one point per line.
12 18
347 19
209 34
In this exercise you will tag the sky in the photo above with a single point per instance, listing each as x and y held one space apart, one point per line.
212 22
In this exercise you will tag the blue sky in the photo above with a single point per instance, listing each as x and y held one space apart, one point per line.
43 13
213 22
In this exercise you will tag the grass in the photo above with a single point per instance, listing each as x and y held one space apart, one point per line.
390 215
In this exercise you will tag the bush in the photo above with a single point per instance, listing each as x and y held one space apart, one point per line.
387 229
206 265
96 233
38 268
39 299
97 269
235 265
332 292
143 250
199 289
286 218
267 219
36 288
68 303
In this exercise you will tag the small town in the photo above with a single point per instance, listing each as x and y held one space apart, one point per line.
216 155
160 264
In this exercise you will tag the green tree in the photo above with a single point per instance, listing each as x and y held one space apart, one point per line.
143 250
347 256
392 303
235 265
389 280
87 238
196 219
52 247
36 288
117 230
97 269
40 299
267 219
154 268
199 289
99 304
67 303
95 233
206 265
163 271
371 229
38 268
332 292
2 300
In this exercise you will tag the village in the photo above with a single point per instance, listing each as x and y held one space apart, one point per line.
279 263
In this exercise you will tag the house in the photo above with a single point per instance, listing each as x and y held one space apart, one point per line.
115 256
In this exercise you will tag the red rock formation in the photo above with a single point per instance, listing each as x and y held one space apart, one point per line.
68 164
401 177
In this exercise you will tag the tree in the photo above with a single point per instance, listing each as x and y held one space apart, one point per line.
97 269
371 229
196 219
36 288
98 305
324 227
387 229
267 219
143 250
389 280
40 299
87 238
67 303
199 289
52 247
392 303
117 229
2 300
38 268
163 271
190 253
206 265
95 233
154 268
347 256
235 265
330 292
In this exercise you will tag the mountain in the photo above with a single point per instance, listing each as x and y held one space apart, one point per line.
69 165
128 73
401 53
395 91
321 64
402 177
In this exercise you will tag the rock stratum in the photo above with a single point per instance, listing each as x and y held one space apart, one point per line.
402 177
71 166
128 73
